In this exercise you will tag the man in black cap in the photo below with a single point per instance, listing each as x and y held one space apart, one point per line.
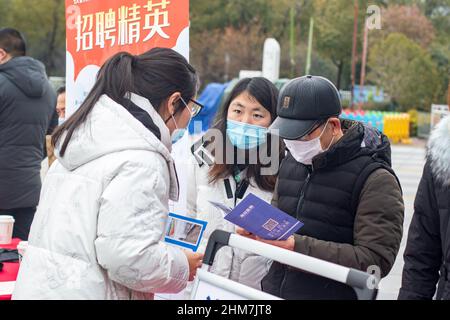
337 179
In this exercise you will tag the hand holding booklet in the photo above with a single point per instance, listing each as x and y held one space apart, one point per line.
260 218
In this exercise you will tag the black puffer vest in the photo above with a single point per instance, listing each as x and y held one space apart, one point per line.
324 197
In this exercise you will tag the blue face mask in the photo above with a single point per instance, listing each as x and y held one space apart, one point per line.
179 133
246 136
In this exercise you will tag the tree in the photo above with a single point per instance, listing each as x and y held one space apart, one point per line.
228 35
335 22
43 24
270 15
427 23
221 54
410 21
405 70
440 53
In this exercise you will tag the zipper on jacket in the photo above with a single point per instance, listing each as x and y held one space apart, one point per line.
283 282
303 192
299 205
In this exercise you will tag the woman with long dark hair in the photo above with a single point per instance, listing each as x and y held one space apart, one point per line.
104 204
229 165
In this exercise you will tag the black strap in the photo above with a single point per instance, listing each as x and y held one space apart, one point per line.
370 167
228 188
243 186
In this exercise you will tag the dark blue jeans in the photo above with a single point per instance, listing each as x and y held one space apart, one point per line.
24 218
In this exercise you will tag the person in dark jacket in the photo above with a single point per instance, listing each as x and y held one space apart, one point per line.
336 179
27 103
427 253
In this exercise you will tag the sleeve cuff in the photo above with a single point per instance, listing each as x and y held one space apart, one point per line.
180 267
300 244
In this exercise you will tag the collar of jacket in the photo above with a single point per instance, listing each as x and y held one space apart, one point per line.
344 150
358 140
145 105
439 151
110 128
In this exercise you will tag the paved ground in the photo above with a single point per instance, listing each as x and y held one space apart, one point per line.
408 162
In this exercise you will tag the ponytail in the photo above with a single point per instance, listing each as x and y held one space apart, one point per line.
155 75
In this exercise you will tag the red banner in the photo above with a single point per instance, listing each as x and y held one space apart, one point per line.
97 29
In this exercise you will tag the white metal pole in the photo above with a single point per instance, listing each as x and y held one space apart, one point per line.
306 263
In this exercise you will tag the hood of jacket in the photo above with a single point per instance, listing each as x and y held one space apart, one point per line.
27 74
358 140
109 129
439 151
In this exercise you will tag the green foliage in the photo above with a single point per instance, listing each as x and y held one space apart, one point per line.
335 32
228 36
271 16
405 70
43 24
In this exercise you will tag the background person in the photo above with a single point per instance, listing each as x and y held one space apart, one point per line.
57 120
427 254
243 121
27 102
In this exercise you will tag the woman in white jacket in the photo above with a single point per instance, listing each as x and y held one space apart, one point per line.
228 165
103 210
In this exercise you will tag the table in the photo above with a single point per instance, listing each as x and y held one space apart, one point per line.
10 269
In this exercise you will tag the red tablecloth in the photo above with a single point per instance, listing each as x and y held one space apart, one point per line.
10 269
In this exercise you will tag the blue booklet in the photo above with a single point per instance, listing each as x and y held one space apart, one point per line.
260 218
184 231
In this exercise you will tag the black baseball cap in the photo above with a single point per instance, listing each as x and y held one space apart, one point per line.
303 104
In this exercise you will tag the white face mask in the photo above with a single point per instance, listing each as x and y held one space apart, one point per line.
305 151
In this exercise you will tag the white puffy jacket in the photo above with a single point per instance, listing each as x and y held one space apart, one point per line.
238 265
103 210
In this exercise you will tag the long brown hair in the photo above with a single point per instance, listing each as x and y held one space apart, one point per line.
265 92
155 75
